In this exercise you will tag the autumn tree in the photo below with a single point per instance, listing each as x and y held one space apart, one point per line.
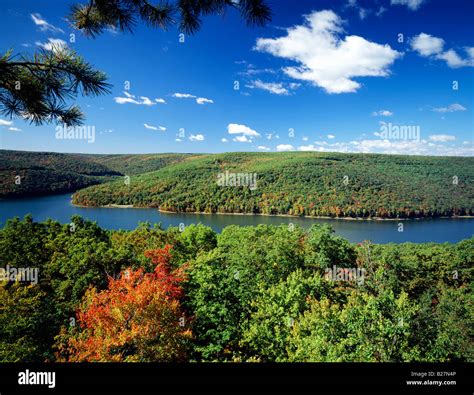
138 318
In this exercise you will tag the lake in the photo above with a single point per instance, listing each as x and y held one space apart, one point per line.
59 207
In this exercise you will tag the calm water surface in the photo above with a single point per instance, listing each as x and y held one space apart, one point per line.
59 207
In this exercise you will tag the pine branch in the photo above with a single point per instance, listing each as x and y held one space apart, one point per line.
37 88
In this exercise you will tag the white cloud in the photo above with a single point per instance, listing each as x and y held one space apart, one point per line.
146 101
235 128
129 98
199 100
304 138
427 45
44 25
242 139
453 59
330 136
151 127
160 100
381 11
325 58
442 137
430 46
309 147
451 108
54 45
263 148
411 4
197 137
203 100
285 147
276 88
363 12
9 125
401 147
382 113
183 95
224 140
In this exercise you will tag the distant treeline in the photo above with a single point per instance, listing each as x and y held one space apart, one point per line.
24 174
301 183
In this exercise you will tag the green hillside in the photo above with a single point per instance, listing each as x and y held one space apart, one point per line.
42 173
302 183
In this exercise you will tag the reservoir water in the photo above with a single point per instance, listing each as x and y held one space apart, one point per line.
59 207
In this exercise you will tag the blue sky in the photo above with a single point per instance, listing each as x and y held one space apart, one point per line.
322 76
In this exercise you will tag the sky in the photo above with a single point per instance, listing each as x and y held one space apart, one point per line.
384 76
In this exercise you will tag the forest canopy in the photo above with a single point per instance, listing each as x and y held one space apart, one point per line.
247 294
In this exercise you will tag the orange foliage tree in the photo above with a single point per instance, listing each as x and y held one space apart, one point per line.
138 318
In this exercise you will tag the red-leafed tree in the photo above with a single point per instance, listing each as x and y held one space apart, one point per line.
137 318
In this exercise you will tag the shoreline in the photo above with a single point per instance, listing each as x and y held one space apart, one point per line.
128 206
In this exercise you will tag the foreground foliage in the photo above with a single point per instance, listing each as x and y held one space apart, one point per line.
246 294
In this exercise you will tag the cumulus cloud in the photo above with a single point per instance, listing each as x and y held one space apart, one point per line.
451 108
411 4
129 98
235 128
160 100
224 140
325 58
330 136
14 129
242 139
427 45
197 137
433 47
44 25
285 147
263 148
3 122
151 127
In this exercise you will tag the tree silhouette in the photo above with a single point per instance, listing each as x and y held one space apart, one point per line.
97 15
37 88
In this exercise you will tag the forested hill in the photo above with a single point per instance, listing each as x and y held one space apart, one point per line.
40 173
300 183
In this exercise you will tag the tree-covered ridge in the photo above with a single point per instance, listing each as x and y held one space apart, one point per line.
42 173
302 183
246 294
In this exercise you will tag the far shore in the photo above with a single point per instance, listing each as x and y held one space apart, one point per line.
273 215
